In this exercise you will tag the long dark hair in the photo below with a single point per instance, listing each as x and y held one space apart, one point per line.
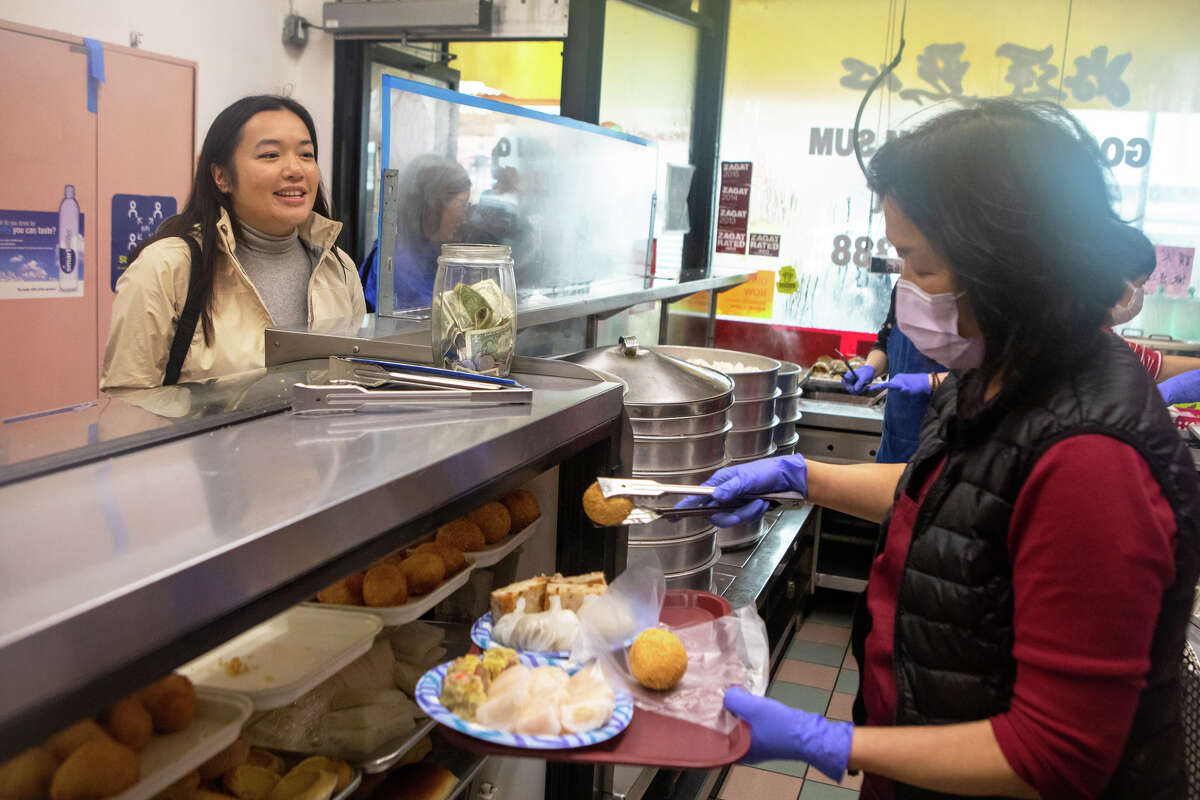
428 183
205 201
1015 196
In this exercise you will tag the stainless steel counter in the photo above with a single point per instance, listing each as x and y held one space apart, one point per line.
750 571
111 568
841 416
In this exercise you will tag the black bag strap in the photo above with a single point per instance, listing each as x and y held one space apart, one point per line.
187 320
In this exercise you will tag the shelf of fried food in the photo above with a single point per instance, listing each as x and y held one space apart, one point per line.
404 585
495 529
242 772
132 750
364 714
523 700
538 615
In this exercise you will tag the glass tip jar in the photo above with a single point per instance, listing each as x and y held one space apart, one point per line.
475 309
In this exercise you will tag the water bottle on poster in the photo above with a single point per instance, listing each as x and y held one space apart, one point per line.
69 241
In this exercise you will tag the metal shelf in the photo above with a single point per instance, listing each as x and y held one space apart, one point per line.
131 566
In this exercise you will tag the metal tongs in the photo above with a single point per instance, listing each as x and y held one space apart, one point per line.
640 515
345 398
373 373
361 384
846 361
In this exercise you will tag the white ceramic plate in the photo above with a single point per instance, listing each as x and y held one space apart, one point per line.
287 655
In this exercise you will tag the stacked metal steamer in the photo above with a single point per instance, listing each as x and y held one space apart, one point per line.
679 413
755 390
787 408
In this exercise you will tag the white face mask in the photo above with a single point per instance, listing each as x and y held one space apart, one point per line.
931 322
1122 313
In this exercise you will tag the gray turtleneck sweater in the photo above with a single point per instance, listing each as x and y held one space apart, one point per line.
279 267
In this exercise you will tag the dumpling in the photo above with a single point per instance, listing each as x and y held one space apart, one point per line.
502 629
508 695
540 717
546 631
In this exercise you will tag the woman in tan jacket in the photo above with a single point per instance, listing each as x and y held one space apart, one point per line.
266 256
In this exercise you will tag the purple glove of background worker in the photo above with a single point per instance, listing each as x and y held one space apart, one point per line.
777 731
1183 388
910 382
783 474
866 374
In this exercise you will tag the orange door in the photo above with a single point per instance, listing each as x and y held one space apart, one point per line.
47 142
147 123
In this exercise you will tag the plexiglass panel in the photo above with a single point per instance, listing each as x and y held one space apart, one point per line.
574 201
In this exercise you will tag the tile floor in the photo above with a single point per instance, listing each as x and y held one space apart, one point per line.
817 674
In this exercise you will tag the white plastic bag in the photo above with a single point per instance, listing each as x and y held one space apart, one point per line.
727 651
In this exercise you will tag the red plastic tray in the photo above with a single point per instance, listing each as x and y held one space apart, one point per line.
652 740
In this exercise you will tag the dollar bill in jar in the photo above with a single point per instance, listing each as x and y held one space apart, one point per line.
474 308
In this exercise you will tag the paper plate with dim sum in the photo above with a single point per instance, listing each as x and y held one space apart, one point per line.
524 700
539 615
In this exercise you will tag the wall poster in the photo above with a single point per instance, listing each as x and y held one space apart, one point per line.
41 252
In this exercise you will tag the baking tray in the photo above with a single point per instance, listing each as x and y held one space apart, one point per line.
494 554
415 607
288 655
651 739
168 757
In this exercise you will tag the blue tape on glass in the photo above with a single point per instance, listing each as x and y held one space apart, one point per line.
95 71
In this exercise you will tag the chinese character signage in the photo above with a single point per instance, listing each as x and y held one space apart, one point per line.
1172 272
733 210
796 74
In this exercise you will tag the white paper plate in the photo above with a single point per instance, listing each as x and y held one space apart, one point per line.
414 608
168 757
429 690
481 635
288 655
493 554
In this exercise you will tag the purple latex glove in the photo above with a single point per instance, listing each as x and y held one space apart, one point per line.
779 732
1184 388
908 382
866 374
782 474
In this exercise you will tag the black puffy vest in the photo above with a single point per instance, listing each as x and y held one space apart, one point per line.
954 611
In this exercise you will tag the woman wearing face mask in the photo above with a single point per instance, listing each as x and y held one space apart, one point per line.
253 248
912 376
1024 619
1178 377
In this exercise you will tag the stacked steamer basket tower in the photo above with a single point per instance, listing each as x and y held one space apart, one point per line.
689 420
754 421
787 408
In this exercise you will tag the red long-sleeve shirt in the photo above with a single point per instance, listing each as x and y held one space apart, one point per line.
1091 540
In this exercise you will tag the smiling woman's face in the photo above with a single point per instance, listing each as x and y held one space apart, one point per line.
274 179
923 265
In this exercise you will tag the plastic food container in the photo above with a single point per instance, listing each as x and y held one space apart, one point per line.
287 655
496 553
168 757
416 605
